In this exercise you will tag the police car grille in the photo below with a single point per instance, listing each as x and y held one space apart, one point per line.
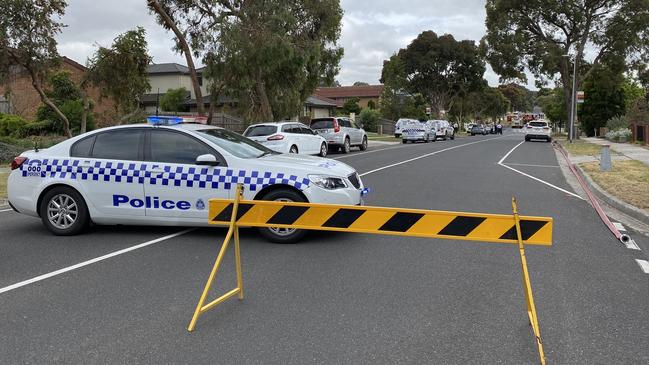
353 178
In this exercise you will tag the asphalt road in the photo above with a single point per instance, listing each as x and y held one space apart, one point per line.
342 298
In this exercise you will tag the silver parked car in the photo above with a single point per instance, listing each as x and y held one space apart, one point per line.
340 133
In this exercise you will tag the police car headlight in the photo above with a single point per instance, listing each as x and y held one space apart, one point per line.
328 182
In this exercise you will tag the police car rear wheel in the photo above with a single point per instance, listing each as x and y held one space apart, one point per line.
283 235
64 212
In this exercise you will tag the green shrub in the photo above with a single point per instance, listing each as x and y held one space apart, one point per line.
369 118
10 125
72 109
38 128
617 122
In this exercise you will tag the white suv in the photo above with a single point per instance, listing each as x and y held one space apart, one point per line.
537 129
288 137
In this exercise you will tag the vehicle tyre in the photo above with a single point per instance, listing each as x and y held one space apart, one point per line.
363 145
346 146
453 137
404 141
527 139
472 134
283 235
427 138
293 149
63 211
444 138
323 150
549 139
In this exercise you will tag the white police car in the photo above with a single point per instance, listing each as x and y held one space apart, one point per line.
164 173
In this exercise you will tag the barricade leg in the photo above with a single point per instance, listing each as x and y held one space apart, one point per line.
529 298
233 232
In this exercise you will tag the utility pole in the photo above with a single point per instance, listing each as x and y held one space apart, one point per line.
157 102
573 105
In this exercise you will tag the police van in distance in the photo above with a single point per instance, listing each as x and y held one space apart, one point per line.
164 173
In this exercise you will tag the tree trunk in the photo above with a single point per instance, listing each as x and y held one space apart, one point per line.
36 83
182 43
265 110
86 111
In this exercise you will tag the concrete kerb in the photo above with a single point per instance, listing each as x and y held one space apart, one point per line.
616 203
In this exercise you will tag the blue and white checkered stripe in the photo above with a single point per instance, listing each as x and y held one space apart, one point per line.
177 176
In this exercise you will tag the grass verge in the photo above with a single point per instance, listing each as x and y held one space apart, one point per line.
628 181
3 185
582 148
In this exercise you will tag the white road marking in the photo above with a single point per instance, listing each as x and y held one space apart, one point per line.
532 177
644 265
91 261
424 156
631 245
366 152
529 165
619 226
6 210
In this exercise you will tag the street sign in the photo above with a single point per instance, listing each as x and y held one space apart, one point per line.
427 111
580 97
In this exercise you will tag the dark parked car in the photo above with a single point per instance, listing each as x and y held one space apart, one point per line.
478 129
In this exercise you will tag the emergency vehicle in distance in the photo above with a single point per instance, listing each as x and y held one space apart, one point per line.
164 173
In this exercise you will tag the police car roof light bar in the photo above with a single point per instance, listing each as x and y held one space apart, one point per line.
173 120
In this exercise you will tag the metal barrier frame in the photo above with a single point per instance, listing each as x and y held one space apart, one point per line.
233 233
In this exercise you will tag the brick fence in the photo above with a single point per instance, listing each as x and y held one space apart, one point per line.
640 132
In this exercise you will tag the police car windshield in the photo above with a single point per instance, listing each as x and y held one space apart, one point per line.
235 144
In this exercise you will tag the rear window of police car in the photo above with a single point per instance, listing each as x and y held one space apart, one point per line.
260 130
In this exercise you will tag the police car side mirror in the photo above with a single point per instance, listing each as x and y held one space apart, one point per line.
207 160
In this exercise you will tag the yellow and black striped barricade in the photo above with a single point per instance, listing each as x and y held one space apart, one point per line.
499 228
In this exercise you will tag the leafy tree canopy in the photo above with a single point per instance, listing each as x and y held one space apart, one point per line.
604 99
270 55
27 39
439 68
68 98
535 35
120 71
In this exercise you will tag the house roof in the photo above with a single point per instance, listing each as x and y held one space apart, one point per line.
368 91
320 101
166 68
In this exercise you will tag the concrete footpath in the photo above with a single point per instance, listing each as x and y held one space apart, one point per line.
626 149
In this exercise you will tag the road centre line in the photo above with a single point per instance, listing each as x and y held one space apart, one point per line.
424 156
532 177
92 261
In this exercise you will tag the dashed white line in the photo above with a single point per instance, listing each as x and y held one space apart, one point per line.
619 226
91 261
424 156
644 265
532 177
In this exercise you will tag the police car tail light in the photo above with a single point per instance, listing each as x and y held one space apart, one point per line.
275 137
17 162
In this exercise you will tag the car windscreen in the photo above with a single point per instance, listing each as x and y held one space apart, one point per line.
322 123
260 130
235 144
538 124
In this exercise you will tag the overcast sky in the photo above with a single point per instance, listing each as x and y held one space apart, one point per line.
372 30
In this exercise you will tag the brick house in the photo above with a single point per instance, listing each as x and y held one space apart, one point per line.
341 94
19 96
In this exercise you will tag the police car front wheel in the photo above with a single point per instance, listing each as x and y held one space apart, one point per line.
283 235
63 211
